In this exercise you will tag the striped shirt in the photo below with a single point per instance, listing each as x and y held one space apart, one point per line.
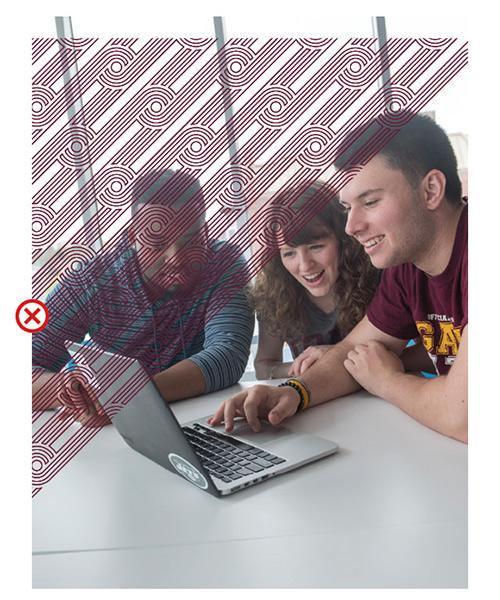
210 323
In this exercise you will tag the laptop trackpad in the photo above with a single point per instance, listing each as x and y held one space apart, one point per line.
268 434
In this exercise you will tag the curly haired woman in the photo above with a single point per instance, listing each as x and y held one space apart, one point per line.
313 291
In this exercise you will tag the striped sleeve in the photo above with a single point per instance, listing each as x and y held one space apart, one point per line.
228 332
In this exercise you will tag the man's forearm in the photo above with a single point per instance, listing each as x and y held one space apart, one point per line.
430 402
328 378
183 380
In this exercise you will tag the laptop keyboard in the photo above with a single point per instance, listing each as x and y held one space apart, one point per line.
227 458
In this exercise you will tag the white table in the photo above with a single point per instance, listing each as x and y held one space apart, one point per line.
389 510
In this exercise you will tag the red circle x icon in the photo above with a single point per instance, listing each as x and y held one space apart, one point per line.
32 316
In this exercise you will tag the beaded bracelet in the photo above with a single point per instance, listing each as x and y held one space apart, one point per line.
299 386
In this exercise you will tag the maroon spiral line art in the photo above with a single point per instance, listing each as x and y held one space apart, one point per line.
140 106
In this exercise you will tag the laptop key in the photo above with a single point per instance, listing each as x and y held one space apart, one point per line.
262 462
255 468
241 445
244 471
268 456
247 455
277 460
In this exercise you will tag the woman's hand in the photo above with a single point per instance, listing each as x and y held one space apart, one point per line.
306 359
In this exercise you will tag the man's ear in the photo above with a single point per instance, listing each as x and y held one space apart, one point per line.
434 187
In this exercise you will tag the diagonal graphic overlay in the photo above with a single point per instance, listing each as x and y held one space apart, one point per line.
138 107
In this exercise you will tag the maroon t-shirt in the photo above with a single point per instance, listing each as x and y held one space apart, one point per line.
408 303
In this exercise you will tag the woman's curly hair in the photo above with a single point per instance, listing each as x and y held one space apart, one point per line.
279 299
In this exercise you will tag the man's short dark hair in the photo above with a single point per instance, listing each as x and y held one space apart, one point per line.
167 188
420 146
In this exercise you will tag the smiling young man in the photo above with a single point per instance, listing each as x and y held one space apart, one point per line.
405 207
165 294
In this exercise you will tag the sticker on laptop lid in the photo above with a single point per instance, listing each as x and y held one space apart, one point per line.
188 471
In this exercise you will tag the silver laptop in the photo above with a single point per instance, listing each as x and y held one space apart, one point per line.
208 457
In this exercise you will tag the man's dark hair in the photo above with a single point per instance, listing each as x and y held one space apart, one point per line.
167 188
420 146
